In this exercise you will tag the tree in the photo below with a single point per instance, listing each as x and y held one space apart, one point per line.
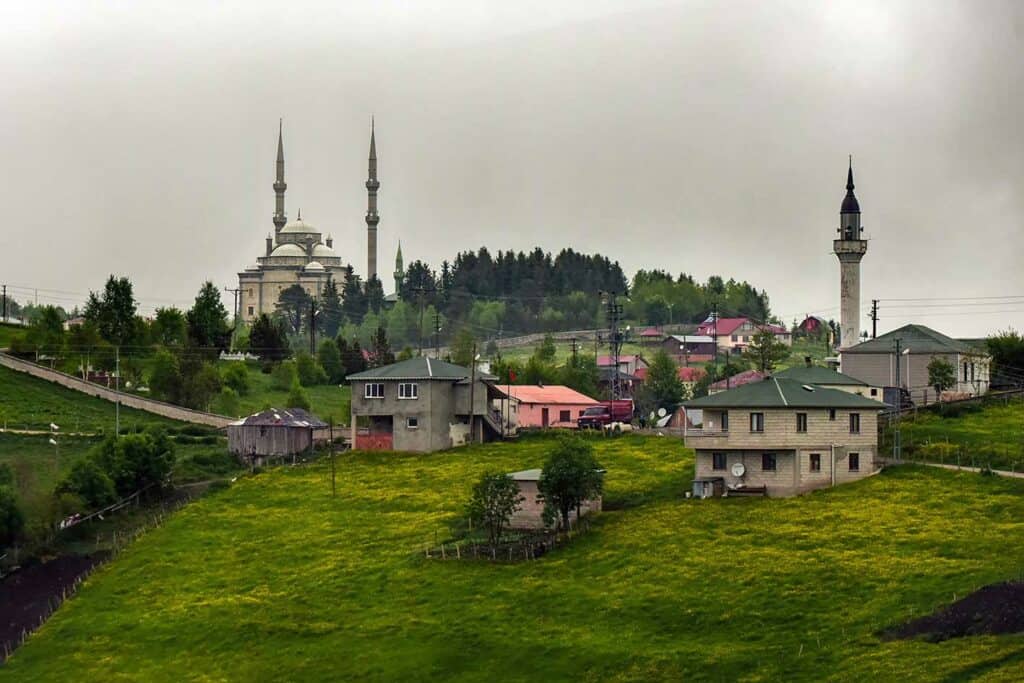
374 294
1007 350
463 348
352 356
165 382
236 376
135 461
353 298
226 402
169 327
268 339
90 483
12 520
495 499
380 354
284 375
331 313
113 311
46 333
547 350
580 373
293 305
663 381
207 320
765 351
297 397
330 360
571 475
405 354
941 375
200 382
310 372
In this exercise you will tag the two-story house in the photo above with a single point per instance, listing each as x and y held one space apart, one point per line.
785 436
423 404
830 379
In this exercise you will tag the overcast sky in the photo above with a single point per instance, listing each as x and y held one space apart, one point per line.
707 138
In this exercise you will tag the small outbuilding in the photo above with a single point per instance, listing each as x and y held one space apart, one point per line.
546 406
273 433
530 513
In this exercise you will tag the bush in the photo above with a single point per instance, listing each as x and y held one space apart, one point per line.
6 475
330 360
310 372
12 519
284 375
135 461
297 397
227 403
89 483
236 376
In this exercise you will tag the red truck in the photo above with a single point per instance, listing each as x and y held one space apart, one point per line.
600 416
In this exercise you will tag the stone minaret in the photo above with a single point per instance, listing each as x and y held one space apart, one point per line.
399 269
372 219
850 249
279 184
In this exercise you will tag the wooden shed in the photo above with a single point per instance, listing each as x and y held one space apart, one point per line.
273 433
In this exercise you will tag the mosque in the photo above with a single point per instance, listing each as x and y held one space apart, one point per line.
297 253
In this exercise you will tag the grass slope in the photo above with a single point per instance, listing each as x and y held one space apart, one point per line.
327 401
28 402
8 333
275 580
991 435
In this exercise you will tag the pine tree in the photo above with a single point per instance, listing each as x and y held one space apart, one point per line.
331 312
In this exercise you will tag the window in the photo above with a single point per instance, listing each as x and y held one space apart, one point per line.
735 338
832 414
250 291
854 460
725 421
972 372
855 423
874 392
408 390
801 422
412 423
374 390
965 372
757 422
768 462
564 416
251 310
815 462
718 461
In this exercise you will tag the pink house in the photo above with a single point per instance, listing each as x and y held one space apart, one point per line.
548 406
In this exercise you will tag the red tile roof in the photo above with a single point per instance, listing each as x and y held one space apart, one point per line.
727 326
745 377
607 360
686 374
651 332
549 394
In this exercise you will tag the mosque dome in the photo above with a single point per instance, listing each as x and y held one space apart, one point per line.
288 250
300 227
323 251
314 265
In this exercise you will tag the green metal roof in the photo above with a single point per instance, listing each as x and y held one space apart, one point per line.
917 338
815 374
421 368
778 392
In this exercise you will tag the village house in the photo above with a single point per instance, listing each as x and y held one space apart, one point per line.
689 376
273 433
737 380
628 363
542 406
423 404
530 513
829 379
689 349
874 362
783 437
813 326
735 334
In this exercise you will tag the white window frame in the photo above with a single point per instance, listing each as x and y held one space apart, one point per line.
373 390
412 422
404 391
757 420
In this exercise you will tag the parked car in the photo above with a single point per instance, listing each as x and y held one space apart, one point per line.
598 417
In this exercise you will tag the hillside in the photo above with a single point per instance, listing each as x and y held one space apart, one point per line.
274 579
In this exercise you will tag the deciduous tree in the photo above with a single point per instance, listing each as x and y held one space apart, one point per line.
495 499
571 475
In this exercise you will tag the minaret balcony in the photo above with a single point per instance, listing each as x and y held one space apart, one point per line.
851 247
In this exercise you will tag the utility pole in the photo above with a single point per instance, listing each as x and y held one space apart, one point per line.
237 291
330 424
421 291
714 337
472 407
874 318
312 327
614 311
117 388
897 447
574 351
437 334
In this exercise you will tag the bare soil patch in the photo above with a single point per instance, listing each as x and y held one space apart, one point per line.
993 610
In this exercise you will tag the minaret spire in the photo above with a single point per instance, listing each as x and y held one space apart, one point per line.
849 248
279 184
372 218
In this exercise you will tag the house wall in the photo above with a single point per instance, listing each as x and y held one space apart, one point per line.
879 370
780 430
432 408
531 414
246 440
793 473
529 515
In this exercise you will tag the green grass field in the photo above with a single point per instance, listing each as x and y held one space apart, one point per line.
8 333
991 435
328 400
274 579
27 402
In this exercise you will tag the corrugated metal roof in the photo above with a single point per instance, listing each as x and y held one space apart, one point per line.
916 339
275 417
783 393
815 374
420 367
548 394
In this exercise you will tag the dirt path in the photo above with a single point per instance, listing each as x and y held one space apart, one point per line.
956 468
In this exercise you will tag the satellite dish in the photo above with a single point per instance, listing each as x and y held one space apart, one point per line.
662 412
738 469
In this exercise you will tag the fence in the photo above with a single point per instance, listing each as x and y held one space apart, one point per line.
518 546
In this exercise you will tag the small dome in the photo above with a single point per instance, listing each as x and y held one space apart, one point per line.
314 265
850 204
300 227
322 250
288 250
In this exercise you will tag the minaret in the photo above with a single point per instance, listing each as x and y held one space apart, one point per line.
399 269
850 249
279 184
372 219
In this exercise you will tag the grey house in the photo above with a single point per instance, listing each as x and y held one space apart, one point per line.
423 404
874 362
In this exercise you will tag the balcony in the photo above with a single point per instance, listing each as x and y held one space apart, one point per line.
706 439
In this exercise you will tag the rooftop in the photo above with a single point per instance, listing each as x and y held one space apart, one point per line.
274 417
420 367
916 339
738 380
816 374
777 392
548 394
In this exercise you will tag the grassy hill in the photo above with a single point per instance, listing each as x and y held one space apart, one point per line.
275 579
328 400
980 435
8 333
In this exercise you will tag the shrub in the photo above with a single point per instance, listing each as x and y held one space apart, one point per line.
12 519
330 360
227 403
310 372
135 461
297 397
90 483
6 475
236 376
284 375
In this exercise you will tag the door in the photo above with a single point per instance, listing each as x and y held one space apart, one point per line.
544 417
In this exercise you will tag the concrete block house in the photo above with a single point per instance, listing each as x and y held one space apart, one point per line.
735 334
530 513
423 404
784 436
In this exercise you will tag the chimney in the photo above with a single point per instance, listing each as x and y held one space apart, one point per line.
270 244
